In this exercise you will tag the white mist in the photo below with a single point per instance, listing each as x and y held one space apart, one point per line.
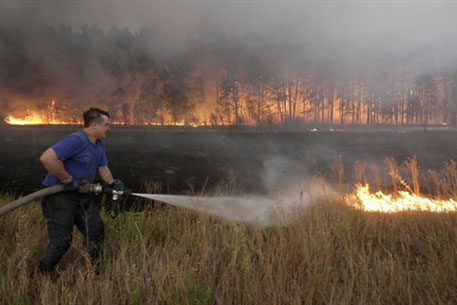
257 210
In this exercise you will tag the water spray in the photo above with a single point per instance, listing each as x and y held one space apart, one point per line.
251 210
258 210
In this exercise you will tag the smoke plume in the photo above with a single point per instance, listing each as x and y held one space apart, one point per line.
142 59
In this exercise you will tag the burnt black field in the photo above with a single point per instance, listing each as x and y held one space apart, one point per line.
185 159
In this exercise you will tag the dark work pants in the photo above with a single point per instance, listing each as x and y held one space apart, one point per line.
62 211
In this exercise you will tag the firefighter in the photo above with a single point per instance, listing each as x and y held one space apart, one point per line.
72 162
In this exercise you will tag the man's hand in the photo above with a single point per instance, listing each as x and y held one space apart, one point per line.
117 185
72 184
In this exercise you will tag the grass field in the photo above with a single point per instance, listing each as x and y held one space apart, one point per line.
327 254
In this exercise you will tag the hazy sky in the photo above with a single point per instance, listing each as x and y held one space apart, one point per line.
421 32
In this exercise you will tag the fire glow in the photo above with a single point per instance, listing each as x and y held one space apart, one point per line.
32 119
25 120
363 200
50 114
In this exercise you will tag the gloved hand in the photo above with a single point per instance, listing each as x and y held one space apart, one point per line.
117 185
72 184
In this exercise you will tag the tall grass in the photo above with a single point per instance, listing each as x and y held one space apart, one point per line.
327 254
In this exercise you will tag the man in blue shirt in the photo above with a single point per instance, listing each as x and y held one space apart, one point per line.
72 161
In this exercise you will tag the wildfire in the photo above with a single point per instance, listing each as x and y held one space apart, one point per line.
49 115
20 121
403 201
29 118
32 119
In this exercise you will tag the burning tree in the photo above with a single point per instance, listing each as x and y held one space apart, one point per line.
228 100
127 73
176 89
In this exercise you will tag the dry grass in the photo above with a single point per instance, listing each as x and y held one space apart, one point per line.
328 254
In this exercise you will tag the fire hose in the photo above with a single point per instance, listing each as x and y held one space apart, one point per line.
86 188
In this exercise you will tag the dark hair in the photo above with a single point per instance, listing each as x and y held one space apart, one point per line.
93 115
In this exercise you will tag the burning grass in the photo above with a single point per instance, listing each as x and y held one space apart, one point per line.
330 253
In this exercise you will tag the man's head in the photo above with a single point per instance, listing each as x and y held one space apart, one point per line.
96 122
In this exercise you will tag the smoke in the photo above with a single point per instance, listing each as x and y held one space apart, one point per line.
101 52
329 29
289 188
420 32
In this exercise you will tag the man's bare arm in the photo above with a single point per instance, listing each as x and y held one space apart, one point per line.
105 174
54 165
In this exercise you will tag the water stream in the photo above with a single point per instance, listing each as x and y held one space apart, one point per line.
254 210
249 210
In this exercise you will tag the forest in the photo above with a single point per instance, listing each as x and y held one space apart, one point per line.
208 78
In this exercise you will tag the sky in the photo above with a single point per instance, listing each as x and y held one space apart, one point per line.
371 26
378 27
368 35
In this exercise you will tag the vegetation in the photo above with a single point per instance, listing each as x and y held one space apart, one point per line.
212 79
327 254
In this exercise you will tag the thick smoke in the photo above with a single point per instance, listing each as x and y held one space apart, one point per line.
125 55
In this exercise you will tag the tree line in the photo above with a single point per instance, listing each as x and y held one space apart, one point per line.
209 79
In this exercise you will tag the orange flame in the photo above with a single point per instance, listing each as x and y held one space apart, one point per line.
50 116
30 118
33 118
404 201
18 121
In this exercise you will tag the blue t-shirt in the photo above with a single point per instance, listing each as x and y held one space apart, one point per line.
80 157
